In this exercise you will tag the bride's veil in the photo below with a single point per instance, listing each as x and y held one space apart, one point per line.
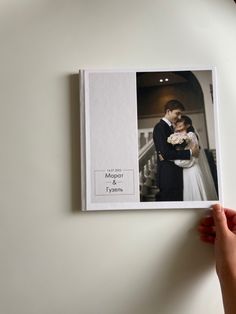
206 171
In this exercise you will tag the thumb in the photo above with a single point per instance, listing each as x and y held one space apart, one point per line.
220 220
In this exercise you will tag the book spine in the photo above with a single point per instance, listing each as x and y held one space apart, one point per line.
82 140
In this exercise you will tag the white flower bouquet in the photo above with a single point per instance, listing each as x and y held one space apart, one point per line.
178 139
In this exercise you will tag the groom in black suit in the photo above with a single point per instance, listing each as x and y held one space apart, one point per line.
170 176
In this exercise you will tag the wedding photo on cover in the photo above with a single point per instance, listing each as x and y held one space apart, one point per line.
176 136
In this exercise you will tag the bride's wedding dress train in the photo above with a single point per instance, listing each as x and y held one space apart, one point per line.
197 178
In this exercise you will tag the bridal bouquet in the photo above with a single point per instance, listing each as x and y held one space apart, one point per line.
178 139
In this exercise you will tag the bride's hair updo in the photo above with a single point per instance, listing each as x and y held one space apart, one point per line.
187 121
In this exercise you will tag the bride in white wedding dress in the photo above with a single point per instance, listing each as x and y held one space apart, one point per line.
197 178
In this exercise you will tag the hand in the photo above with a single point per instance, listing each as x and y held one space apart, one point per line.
220 229
195 150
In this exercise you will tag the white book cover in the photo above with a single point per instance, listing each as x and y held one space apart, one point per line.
125 163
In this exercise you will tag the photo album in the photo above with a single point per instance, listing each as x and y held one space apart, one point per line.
149 139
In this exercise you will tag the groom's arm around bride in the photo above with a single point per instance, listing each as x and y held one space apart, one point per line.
169 175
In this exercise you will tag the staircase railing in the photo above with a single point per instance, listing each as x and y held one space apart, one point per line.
147 168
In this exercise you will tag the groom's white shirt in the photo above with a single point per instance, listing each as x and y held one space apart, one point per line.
167 121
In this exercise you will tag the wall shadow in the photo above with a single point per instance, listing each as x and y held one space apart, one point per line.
74 107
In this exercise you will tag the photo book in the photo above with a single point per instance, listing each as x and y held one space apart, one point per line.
149 139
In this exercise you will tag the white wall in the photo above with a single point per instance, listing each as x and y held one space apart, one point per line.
55 259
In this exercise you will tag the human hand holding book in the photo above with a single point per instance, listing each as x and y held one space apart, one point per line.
220 229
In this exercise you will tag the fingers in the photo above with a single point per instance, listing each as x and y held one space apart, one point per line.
234 220
207 232
210 230
220 220
231 218
207 238
230 213
207 221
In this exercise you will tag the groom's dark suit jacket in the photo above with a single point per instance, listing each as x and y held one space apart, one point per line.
169 176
